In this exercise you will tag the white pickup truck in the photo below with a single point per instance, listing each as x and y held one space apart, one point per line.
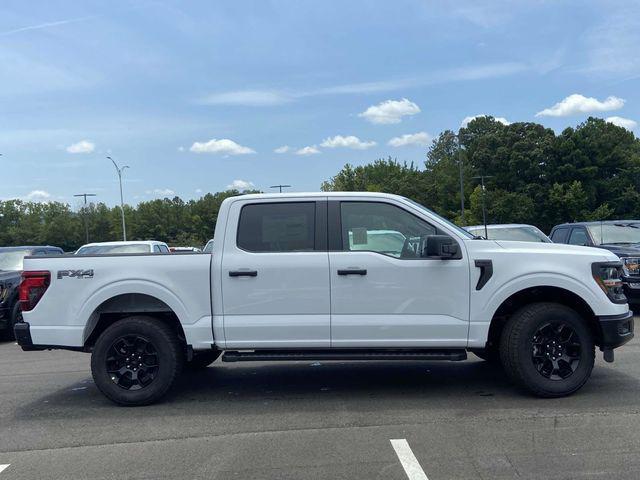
330 276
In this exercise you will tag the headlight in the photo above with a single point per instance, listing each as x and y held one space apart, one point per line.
631 265
608 275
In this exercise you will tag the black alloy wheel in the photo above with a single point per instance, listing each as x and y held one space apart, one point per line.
132 362
556 350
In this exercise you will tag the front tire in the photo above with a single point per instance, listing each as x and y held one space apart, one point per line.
136 360
548 349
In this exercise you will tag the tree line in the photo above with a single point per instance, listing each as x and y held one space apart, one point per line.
532 175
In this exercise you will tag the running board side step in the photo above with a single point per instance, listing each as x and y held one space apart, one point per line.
344 354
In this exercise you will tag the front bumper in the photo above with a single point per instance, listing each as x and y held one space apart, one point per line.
631 286
616 330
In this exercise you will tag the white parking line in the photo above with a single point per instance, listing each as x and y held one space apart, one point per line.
4 467
408 460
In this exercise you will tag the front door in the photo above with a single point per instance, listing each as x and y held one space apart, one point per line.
383 294
275 275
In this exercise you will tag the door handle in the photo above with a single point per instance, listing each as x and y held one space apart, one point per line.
353 271
243 273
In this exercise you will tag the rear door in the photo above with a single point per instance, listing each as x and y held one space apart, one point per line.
383 293
275 275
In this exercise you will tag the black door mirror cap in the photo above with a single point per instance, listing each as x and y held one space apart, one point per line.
440 246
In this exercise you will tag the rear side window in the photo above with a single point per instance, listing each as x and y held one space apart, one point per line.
277 227
559 235
156 249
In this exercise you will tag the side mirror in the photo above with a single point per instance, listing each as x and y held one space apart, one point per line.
440 246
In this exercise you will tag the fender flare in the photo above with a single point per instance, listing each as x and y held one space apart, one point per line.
143 287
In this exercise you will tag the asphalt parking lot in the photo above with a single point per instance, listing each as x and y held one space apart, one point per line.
308 420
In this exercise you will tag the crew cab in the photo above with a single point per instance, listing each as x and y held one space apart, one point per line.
330 276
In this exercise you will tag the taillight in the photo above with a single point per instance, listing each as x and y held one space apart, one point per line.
32 288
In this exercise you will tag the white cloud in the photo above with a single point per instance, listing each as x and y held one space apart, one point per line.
466 120
282 149
311 150
83 146
248 98
198 190
181 149
576 104
38 196
346 142
390 111
223 145
623 122
161 192
420 138
240 185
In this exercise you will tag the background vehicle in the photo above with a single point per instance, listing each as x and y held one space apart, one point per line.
285 281
621 237
208 248
510 231
11 262
104 248
185 249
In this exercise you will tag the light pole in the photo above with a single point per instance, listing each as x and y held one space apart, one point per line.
461 179
484 211
120 170
280 187
86 224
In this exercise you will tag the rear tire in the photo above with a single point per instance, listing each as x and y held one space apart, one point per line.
202 360
136 360
548 349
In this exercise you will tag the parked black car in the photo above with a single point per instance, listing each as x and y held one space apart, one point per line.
10 274
621 237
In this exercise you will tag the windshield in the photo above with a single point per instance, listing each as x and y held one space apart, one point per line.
12 259
111 249
458 229
525 233
620 233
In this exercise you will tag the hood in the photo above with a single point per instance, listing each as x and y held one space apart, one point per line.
623 250
557 249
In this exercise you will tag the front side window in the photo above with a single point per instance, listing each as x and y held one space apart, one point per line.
579 237
277 227
382 228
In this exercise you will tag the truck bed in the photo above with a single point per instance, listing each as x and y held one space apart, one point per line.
83 286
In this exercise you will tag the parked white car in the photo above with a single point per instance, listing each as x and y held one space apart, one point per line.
288 279
509 231
114 248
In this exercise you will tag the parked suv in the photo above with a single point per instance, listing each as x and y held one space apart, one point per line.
621 237
10 271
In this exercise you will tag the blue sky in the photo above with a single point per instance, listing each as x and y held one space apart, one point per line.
196 95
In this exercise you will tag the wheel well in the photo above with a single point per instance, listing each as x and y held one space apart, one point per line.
122 306
541 294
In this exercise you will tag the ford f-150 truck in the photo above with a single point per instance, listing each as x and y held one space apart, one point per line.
330 276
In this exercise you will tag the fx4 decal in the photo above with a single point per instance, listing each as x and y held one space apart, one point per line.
75 274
